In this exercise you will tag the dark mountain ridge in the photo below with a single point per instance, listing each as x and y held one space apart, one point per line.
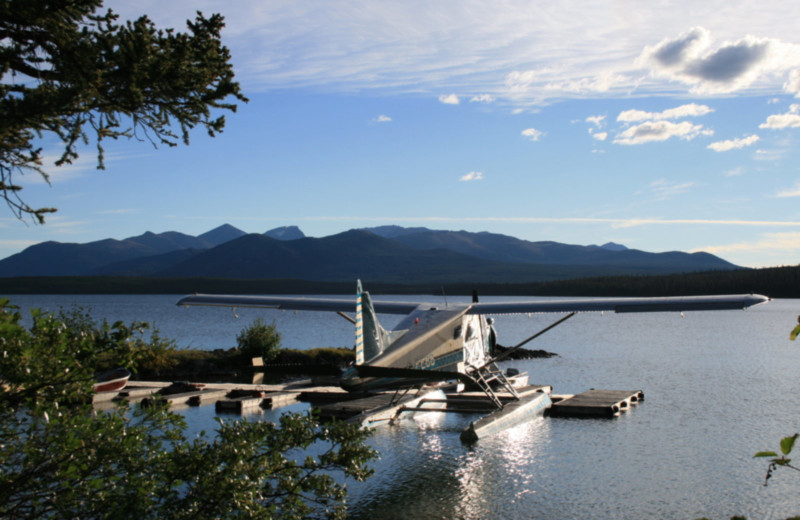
386 253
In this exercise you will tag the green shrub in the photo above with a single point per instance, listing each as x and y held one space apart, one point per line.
259 339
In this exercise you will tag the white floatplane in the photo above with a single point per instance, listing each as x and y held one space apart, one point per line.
455 341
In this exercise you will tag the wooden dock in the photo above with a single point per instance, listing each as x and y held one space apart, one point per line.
370 409
229 398
596 403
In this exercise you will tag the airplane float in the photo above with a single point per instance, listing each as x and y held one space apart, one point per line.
455 341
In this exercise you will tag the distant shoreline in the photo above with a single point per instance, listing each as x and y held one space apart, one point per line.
776 282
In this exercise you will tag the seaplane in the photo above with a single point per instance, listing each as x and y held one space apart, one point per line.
455 342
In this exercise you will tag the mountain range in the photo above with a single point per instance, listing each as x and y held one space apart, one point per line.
385 253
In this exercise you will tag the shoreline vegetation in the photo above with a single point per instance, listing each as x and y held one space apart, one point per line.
776 282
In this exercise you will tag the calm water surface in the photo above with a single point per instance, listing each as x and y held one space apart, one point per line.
719 386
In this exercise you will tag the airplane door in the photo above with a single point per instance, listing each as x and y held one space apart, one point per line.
473 340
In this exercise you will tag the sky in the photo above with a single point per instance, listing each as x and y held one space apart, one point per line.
659 125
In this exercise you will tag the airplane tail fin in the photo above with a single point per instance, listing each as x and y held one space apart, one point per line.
371 338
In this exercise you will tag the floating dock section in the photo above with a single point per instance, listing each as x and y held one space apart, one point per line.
596 403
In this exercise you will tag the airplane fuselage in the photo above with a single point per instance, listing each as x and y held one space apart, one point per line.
429 338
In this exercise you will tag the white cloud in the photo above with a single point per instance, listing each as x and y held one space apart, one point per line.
532 134
732 144
383 119
734 65
597 121
449 99
790 192
735 172
482 98
792 85
690 110
791 119
472 176
651 131
600 136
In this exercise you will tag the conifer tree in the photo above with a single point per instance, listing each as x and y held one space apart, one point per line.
70 70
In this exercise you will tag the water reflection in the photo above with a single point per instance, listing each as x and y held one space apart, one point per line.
500 466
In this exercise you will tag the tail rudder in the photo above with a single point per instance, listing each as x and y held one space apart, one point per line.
371 338
359 325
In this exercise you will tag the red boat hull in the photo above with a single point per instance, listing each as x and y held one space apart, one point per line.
112 381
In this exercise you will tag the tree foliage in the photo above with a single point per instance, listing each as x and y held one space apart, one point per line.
783 460
61 459
260 339
76 73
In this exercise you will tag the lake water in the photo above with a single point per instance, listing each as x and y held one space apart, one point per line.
719 386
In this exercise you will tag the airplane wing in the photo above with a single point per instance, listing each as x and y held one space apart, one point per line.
659 304
293 303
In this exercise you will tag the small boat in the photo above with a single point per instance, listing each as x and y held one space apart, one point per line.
112 381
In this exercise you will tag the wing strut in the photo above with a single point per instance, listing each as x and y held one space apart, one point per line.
519 345
345 316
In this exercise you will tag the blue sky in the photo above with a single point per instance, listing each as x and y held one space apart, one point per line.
658 125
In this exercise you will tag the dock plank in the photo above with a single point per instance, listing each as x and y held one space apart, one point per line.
597 403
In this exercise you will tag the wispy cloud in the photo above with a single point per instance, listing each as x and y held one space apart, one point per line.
768 242
382 119
600 136
121 211
665 190
508 50
613 222
472 176
85 163
532 134
482 98
733 144
17 244
790 192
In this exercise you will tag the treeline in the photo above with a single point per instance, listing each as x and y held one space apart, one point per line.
776 282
